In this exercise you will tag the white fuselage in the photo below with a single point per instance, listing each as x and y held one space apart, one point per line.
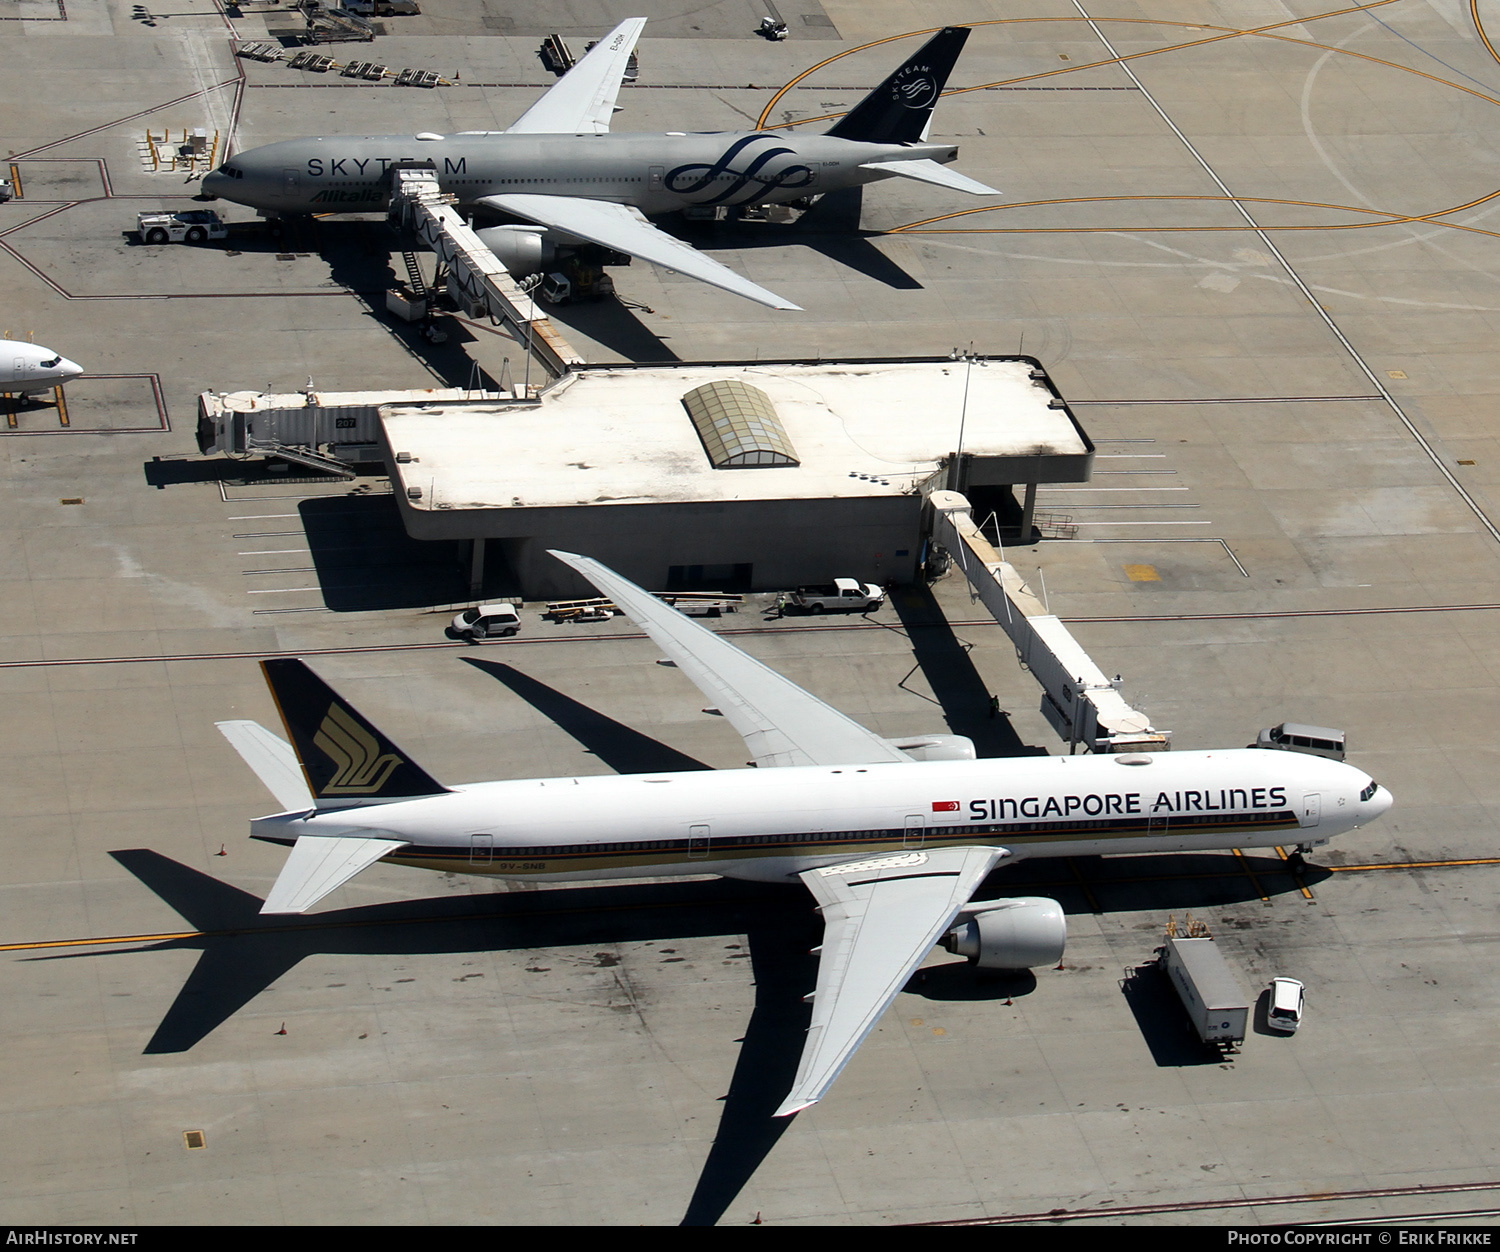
769 824
29 367
655 173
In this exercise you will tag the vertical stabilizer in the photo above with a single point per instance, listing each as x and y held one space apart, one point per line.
900 109
345 758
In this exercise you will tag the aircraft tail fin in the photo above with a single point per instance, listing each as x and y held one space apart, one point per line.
345 759
900 109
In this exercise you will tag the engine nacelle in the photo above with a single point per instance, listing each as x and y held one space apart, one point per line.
521 249
1019 933
936 747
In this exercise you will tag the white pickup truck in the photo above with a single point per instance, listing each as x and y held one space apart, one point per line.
845 595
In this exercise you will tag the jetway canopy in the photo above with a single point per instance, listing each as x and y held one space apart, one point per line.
1082 704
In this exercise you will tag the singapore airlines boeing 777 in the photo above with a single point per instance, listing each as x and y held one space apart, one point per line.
892 837
569 180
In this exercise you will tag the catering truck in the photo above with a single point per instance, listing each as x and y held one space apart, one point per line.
1215 999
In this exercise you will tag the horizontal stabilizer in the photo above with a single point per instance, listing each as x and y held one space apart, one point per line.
272 759
932 172
318 865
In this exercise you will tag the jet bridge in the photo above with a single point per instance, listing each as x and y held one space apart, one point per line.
476 279
1079 701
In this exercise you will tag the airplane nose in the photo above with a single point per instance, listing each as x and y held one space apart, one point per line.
1379 804
213 182
69 369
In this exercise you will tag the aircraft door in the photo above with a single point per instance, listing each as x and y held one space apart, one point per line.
1312 809
658 172
1156 825
916 831
481 849
19 372
698 837
291 184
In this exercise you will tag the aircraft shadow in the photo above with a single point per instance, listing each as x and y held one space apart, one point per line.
831 228
945 664
785 970
611 323
624 749
243 953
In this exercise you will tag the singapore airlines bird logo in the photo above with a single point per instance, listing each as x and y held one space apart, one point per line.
361 770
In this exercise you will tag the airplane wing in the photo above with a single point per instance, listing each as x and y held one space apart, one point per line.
931 172
583 101
781 723
318 865
625 229
881 917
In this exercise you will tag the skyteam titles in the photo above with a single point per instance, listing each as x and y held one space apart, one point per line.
1226 799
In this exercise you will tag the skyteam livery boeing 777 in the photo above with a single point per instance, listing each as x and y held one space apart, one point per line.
559 170
892 837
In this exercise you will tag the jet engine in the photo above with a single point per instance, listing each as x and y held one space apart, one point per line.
936 747
1019 933
521 249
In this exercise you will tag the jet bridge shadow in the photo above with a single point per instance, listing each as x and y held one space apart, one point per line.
365 560
945 663
624 749
242 954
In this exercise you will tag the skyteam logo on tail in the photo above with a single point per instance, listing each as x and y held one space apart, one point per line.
361 770
915 87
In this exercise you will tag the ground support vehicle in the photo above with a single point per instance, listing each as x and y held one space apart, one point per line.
487 621
193 226
845 595
1215 999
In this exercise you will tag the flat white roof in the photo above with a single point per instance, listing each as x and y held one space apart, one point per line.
622 436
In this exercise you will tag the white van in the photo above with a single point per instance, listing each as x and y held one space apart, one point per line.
1285 1010
1295 737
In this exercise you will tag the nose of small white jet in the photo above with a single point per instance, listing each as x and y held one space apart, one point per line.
68 370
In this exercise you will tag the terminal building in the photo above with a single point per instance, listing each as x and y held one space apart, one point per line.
733 476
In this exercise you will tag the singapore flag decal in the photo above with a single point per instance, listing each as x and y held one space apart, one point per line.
945 806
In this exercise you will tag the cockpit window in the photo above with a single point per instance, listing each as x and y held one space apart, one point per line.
1369 792
231 171
51 362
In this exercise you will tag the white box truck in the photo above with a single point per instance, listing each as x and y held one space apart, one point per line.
1215 999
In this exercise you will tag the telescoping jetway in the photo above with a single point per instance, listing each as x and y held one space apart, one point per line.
1082 704
477 281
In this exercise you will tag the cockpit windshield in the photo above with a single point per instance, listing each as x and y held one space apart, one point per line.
1369 792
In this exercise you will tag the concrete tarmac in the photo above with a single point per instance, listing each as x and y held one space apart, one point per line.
1262 267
